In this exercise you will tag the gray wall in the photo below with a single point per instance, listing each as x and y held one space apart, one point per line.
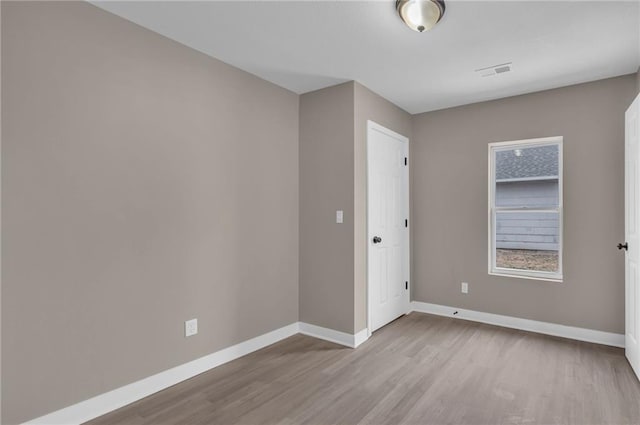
368 106
450 220
333 158
326 185
143 184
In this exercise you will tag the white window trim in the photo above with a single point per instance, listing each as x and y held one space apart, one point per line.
516 273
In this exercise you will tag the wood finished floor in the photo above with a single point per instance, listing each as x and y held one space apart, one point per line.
420 369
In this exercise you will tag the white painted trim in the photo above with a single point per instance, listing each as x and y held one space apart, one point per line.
112 400
493 269
571 332
527 179
337 337
115 399
120 397
361 337
526 142
372 125
327 334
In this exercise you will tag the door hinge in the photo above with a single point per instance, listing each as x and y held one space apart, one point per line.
406 223
405 160
406 285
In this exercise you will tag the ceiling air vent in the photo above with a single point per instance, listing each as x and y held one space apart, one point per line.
494 70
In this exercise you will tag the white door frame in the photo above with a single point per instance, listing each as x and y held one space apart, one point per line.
373 126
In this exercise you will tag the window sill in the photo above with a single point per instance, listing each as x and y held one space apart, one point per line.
515 274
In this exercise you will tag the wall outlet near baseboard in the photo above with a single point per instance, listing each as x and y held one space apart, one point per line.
191 327
464 288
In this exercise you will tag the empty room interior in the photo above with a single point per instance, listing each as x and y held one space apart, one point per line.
320 212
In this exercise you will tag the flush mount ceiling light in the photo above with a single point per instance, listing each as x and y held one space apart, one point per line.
420 15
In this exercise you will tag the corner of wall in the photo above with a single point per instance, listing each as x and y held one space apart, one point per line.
172 206
368 106
459 136
326 173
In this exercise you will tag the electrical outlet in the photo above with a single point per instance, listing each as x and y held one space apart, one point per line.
191 327
339 217
464 288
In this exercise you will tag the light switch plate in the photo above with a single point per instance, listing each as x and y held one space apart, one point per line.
339 217
464 288
191 327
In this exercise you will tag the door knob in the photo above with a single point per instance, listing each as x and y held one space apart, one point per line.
624 246
377 239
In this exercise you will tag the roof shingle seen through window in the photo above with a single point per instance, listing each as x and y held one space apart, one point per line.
526 163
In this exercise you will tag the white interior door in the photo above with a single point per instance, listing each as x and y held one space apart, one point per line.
388 221
632 254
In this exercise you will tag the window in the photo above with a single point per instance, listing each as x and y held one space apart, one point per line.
525 208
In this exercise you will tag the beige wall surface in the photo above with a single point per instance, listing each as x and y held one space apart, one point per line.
368 106
143 184
449 160
326 185
333 132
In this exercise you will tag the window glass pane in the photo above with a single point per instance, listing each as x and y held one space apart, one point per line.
527 177
527 241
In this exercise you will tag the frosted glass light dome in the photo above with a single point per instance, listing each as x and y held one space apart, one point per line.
420 15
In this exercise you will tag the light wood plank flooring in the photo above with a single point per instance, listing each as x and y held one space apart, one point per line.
420 369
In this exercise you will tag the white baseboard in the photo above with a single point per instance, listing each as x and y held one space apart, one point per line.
112 400
580 334
360 337
342 338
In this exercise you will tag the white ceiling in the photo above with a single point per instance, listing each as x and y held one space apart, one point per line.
307 45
